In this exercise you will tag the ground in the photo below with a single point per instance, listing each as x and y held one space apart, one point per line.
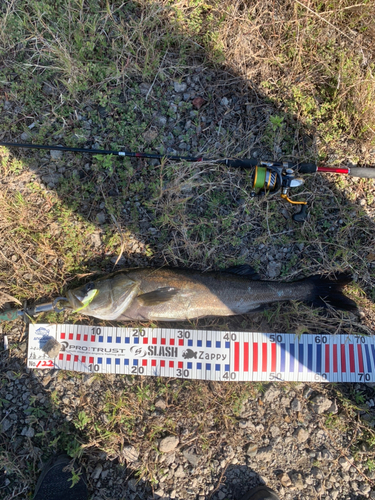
284 80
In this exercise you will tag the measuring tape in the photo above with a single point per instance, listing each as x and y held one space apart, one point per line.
206 355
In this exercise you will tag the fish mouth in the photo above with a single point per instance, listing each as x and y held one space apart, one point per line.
74 302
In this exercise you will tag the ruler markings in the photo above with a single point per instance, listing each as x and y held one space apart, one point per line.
210 355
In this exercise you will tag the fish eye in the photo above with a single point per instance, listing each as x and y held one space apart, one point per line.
89 286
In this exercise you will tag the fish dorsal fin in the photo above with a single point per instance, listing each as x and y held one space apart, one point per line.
243 270
158 296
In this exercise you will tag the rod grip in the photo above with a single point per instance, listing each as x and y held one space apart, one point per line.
244 163
306 168
366 173
10 315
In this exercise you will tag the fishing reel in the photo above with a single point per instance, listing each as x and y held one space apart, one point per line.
274 177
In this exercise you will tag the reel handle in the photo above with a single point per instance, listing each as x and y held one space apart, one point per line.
301 216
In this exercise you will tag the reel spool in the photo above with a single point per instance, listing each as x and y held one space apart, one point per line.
264 179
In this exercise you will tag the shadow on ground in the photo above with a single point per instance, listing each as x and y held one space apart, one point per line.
67 218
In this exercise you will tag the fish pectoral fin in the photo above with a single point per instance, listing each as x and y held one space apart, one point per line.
158 296
243 270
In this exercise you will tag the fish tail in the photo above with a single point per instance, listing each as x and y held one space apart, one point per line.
325 291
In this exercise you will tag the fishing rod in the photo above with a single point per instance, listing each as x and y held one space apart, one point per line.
268 176
27 311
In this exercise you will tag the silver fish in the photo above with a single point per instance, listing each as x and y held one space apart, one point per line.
170 294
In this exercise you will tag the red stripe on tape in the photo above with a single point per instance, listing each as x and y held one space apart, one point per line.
255 357
246 357
91 359
273 357
236 356
334 347
351 358
360 358
264 357
180 364
62 335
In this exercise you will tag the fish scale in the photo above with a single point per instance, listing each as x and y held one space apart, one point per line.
205 354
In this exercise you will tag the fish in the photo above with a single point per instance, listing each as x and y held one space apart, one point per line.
174 294
189 353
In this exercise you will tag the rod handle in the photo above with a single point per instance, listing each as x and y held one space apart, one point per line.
10 315
306 168
365 173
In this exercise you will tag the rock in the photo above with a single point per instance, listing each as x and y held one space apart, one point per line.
161 120
334 408
191 457
56 154
285 480
307 393
96 239
298 480
274 269
198 102
168 444
321 404
265 453
275 431
271 394
101 217
97 471
180 472
130 454
344 463
25 136
302 435
5 425
144 88
28 432
295 405
52 347
221 495
224 101
51 178
252 450
179 87
132 483
150 135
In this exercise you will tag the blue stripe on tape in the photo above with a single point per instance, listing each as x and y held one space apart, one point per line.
100 360
118 340
217 368
190 343
282 357
368 359
101 338
309 357
291 363
136 340
109 340
199 366
109 360
135 362
227 368
126 362
127 340
117 361
208 366
190 366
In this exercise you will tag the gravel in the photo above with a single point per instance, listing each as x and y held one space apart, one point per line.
168 444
